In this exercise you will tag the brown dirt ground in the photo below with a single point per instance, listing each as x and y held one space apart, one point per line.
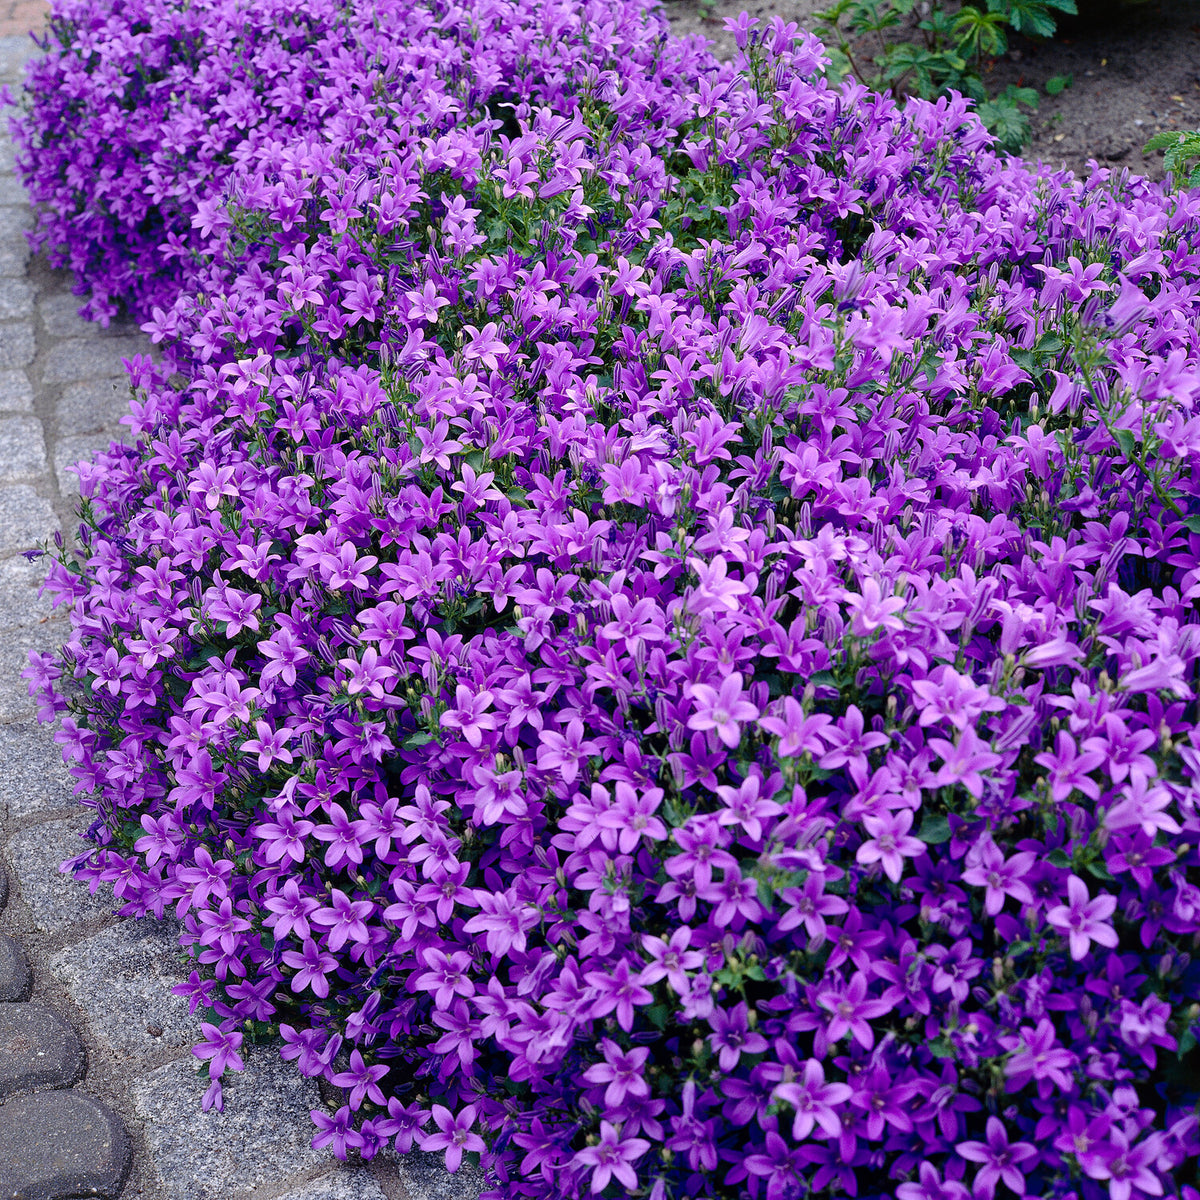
1135 70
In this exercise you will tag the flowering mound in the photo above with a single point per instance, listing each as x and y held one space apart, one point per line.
648 634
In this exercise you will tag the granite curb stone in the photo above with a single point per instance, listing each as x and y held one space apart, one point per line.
17 347
79 359
25 518
37 1049
121 978
34 779
58 1144
16 392
55 901
20 581
16 979
262 1136
16 299
22 449
350 1185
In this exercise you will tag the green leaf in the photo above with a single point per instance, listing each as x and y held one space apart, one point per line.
420 738
658 1014
1005 120
1099 870
1023 358
1160 141
935 829
823 679
1058 858
1057 84
1127 441
1187 1043
940 1048
1192 523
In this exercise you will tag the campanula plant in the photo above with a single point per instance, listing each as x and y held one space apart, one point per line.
647 634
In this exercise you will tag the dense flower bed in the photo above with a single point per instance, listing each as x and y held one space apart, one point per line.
649 633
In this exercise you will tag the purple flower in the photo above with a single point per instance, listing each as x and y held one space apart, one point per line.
469 715
889 842
810 905
732 1036
617 990
1084 921
454 1135
931 1187
337 1131
612 1157
670 959
1127 1166
1000 1160
362 1080
722 710
964 761
621 1070
851 1011
312 965
220 1046
1039 1057
814 1100
1000 876
632 815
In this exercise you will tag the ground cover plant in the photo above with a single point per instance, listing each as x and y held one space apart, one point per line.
648 633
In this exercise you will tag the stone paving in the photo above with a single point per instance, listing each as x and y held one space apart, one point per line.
99 1093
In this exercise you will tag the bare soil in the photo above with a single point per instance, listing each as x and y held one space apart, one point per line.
1135 70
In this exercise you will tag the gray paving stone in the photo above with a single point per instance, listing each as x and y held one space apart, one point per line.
25 520
91 408
17 347
59 1144
121 978
262 1135
83 358
16 392
16 296
16 980
33 777
55 900
345 1185
3 887
6 150
60 313
424 1177
15 702
15 52
37 1049
22 448
15 219
12 191
70 450
14 252
20 580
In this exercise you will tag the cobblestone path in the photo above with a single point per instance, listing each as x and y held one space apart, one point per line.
99 1093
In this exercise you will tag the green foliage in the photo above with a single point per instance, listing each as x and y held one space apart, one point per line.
1058 83
948 54
1181 148
1003 116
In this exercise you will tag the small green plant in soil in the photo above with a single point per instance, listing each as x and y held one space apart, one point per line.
1182 148
952 45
